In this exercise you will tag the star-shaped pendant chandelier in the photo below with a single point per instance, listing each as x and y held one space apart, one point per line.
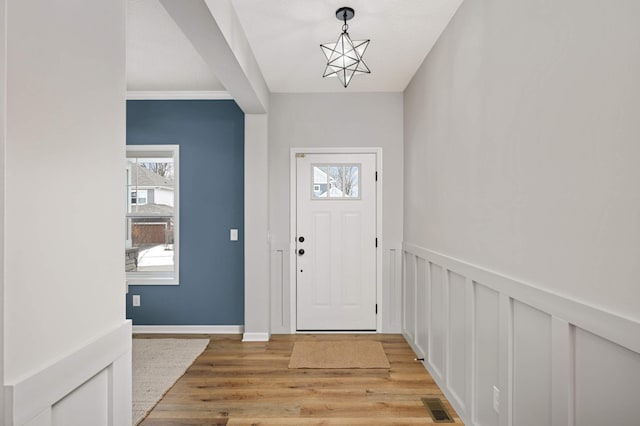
344 57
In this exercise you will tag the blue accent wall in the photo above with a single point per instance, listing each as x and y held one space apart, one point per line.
211 139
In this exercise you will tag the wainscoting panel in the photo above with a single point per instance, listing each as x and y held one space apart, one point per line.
392 288
457 348
487 352
510 354
409 297
87 405
422 298
437 332
91 386
280 289
607 382
531 366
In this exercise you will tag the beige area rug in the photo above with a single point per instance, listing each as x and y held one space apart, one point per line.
339 354
156 365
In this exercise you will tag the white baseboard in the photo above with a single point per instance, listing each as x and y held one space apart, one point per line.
37 399
256 337
188 329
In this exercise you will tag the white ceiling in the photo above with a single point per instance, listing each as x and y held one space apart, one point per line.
159 55
285 36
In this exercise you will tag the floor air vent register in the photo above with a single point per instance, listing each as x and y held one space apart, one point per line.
438 413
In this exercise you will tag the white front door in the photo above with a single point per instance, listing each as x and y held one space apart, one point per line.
336 242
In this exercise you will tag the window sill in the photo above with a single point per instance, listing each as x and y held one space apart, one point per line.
138 280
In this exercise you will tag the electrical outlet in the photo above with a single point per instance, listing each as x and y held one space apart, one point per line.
233 235
135 300
496 400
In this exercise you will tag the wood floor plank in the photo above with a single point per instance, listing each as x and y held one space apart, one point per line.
235 383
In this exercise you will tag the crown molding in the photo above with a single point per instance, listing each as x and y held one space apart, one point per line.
178 95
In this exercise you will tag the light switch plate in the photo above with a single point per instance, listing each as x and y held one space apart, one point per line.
233 235
135 300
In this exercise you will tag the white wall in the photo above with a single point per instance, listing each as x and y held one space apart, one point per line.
256 228
331 120
3 134
522 146
521 154
64 171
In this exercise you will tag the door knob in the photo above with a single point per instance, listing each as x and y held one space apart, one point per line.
301 239
300 252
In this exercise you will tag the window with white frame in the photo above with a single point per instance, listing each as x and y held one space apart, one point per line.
151 253
138 196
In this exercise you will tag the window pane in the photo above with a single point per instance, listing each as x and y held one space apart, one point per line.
151 244
151 185
351 183
336 181
319 181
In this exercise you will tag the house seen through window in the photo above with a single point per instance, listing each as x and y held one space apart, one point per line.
335 181
151 254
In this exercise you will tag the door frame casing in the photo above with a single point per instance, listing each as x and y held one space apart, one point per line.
293 215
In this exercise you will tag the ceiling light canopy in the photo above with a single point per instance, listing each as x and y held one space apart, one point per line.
344 57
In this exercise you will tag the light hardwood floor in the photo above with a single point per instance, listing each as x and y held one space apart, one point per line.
235 383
